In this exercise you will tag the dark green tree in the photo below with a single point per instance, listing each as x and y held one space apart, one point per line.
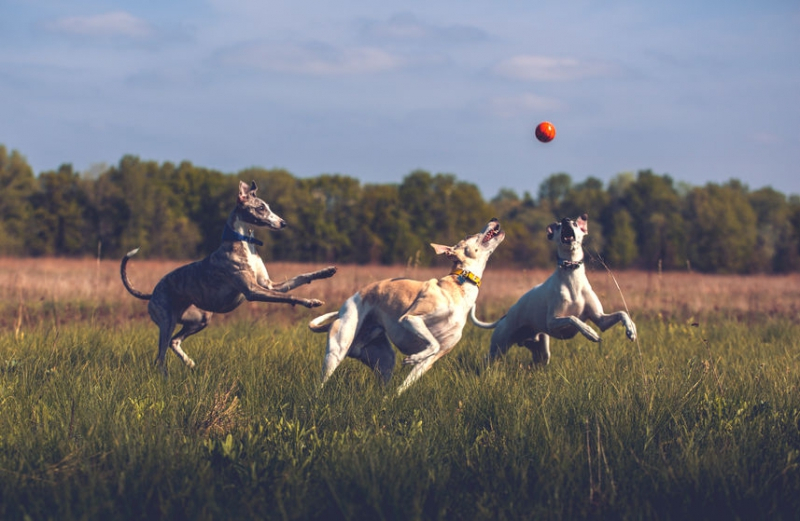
656 210
723 228
17 185
59 225
620 250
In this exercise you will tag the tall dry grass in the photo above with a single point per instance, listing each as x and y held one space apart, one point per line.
71 289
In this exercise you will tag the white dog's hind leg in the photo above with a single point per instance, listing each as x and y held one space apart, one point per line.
379 356
340 337
501 341
539 347
416 372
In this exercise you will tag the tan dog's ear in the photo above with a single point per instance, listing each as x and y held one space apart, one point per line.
447 251
440 249
583 223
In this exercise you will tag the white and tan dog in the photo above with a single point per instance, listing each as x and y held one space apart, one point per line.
424 319
559 307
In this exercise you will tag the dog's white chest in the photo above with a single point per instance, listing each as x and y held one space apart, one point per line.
256 264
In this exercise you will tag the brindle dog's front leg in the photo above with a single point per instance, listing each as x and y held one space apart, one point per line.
305 278
259 294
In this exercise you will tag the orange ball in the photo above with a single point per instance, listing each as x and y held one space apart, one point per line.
545 132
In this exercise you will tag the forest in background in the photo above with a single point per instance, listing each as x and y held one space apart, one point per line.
642 220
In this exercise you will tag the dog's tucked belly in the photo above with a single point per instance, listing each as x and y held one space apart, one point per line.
206 288
446 333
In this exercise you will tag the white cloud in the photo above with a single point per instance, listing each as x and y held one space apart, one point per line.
545 68
407 27
508 106
312 59
115 24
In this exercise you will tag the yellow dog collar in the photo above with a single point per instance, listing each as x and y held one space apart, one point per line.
466 275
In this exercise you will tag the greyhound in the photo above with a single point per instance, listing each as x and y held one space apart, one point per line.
559 306
424 319
219 283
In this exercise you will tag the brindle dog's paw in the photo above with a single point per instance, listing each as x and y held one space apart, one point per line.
330 271
313 303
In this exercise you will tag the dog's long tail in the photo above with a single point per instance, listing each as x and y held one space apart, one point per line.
127 283
322 323
480 324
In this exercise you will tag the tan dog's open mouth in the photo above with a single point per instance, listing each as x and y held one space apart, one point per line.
492 232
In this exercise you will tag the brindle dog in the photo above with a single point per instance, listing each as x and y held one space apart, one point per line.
233 273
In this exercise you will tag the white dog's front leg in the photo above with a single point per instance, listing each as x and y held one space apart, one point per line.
606 321
416 326
556 323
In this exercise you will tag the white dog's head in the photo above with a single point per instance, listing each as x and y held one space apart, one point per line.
472 252
570 234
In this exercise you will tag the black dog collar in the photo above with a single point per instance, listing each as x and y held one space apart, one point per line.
229 234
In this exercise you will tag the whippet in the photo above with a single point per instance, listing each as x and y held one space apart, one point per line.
559 307
424 319
233 273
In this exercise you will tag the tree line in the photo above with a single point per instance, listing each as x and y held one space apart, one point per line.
641 220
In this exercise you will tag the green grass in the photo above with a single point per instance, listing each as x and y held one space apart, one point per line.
694 422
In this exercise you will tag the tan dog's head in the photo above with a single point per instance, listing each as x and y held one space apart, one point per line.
570 234
254 211
472 252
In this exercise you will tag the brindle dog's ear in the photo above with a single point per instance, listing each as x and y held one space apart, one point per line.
244 192
253 187
551 230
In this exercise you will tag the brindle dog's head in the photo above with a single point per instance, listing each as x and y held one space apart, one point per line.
254 211
570 233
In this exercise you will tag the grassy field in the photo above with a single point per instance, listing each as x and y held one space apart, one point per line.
699 419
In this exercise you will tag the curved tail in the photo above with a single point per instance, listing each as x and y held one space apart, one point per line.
322 323
483 325
125 282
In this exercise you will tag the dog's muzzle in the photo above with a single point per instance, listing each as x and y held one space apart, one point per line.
567 233
492 232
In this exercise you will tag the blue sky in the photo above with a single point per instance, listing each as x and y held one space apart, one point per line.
702 91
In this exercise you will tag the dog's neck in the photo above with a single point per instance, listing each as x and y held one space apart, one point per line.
462 276
572 259
237 230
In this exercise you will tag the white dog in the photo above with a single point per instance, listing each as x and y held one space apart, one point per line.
424 319
559 307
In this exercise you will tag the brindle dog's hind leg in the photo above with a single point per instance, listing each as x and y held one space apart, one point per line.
193 321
